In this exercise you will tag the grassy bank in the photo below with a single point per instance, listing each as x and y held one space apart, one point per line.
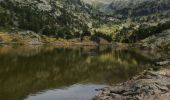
31 38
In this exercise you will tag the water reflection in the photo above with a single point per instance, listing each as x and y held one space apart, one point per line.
27 70
75 92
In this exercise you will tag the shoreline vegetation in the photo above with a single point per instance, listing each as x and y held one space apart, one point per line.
31 38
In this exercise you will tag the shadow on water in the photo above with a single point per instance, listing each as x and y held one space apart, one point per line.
27 71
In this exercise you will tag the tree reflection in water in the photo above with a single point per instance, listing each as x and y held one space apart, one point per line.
26 70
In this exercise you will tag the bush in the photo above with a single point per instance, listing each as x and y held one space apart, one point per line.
96 37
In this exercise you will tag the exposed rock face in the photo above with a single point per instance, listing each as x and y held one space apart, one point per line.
148 86
63 18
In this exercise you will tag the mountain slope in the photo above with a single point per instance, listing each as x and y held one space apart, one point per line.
133 20
139 7
130 7
113 20
62 18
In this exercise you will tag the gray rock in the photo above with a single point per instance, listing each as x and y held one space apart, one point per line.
139 89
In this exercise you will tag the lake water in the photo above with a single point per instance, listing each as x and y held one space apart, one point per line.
57 73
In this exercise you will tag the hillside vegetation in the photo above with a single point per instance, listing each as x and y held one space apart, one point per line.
60 18
113 20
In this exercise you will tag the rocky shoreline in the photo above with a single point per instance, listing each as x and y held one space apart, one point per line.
149 85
